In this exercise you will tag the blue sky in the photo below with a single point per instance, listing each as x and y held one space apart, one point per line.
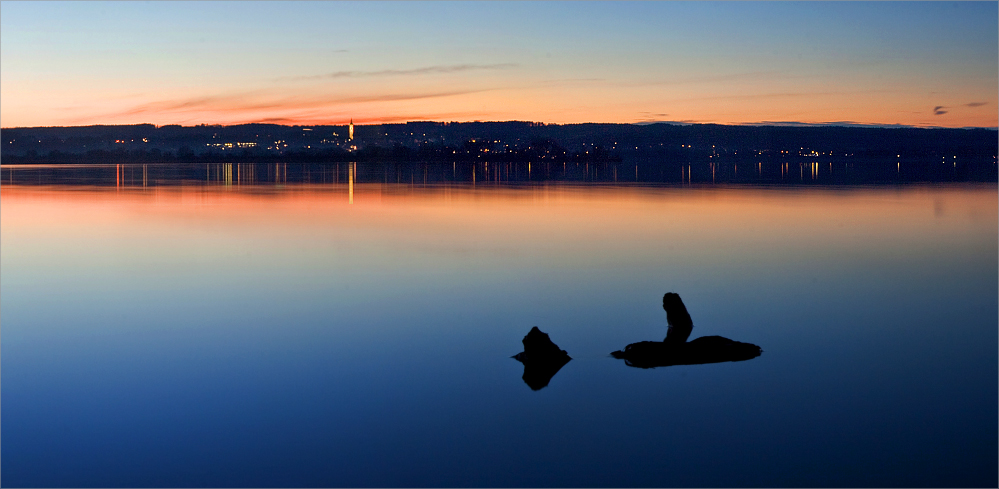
916 63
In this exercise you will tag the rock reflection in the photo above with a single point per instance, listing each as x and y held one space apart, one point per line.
542 359
676 350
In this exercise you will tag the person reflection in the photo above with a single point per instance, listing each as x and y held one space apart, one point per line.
676 350
542 359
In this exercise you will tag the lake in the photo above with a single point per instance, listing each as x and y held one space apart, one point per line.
353 325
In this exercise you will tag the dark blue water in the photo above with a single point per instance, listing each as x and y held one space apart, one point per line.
359 333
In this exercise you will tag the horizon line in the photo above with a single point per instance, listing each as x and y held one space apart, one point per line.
845 124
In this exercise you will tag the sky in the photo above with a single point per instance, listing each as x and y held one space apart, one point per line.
926 64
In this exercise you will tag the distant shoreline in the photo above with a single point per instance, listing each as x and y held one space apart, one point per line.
487 141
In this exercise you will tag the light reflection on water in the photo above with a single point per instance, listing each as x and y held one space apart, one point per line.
358 333
863 172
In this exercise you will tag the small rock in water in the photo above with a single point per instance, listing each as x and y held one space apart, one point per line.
539 346
541 357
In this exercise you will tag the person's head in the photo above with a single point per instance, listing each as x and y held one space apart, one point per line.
676 312
672 301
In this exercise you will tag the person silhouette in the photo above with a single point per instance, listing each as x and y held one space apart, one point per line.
678 320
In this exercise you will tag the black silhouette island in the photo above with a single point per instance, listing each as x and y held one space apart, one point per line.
676 350
542 359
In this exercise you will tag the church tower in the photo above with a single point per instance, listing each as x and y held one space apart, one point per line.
350 130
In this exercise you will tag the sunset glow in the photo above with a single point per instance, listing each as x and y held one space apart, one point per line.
80 63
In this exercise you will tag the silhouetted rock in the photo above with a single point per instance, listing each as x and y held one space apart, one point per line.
676 350
541 357
706 349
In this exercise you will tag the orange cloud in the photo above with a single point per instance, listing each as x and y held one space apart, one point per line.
238 106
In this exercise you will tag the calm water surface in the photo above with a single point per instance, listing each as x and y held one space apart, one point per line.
356 333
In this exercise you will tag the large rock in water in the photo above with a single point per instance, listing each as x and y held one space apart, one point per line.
542 359
706 349
676 350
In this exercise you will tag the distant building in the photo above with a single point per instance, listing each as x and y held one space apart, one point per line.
350 130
